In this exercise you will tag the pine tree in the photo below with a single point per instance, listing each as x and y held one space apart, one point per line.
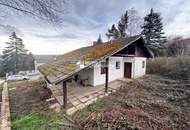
28 62
99 41
13 54
153 30
120 31
123 24
113 33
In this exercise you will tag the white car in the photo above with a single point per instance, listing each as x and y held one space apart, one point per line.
17 77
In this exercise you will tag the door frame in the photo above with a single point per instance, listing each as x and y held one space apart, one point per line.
131 66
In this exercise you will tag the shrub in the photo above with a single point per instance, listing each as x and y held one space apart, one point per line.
173 67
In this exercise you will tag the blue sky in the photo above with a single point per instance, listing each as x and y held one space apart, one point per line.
84 20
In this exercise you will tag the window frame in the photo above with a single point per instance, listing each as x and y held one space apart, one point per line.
103 67
117 65
143 64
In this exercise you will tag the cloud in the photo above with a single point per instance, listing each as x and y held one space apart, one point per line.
84 20
8 29
179 25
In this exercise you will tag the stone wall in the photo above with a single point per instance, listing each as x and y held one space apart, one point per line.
5 109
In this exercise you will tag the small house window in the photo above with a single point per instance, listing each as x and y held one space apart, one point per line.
117 65
103 67
143 64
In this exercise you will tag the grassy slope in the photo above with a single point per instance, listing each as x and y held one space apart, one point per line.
152 102
29 111
36 121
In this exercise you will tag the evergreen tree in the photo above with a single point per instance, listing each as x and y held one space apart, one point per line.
13 54
113 33
29 62
153 30
99 41
123 24
120 31
1 68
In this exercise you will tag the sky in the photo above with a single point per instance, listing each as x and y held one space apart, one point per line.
84 20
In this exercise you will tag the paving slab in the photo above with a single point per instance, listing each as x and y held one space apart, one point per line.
79 96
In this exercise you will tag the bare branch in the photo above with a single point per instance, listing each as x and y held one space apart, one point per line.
49 10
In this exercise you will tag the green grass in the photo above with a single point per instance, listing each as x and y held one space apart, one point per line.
16 83
96 107
37 121
21 83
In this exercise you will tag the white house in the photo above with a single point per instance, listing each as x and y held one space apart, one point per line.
126 59
99 64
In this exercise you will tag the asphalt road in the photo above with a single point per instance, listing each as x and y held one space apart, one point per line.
34 77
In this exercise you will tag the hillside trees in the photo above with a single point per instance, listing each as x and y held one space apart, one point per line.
128 25
99 41
123 25
178 46
15 57
120 30
153 31
113 33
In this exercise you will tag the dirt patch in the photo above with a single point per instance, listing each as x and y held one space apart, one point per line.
29 97
151 102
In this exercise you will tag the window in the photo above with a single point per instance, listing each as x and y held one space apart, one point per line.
117 65
103 67
143 64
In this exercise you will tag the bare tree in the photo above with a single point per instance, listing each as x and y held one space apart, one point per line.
49 10
178 46
134 22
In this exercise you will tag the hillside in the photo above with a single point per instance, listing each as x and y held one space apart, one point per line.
44 58
159 101
151 102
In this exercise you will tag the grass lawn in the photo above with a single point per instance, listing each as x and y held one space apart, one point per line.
37 121
150 102
14 84
29 110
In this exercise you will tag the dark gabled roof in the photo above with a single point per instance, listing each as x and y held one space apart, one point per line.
67 65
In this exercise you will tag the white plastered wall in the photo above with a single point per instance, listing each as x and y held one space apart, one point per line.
138 65
87 74
113 72
136 71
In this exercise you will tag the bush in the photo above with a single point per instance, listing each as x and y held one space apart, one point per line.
172 67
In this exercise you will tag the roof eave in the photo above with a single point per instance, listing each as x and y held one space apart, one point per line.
64 78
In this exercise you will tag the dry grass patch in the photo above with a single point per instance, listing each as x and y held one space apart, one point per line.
152 102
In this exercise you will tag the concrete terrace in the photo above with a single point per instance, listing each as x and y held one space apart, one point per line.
79 96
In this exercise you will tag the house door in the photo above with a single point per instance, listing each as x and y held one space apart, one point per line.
127 70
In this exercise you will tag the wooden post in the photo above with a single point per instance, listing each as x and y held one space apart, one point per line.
64 94
107 68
